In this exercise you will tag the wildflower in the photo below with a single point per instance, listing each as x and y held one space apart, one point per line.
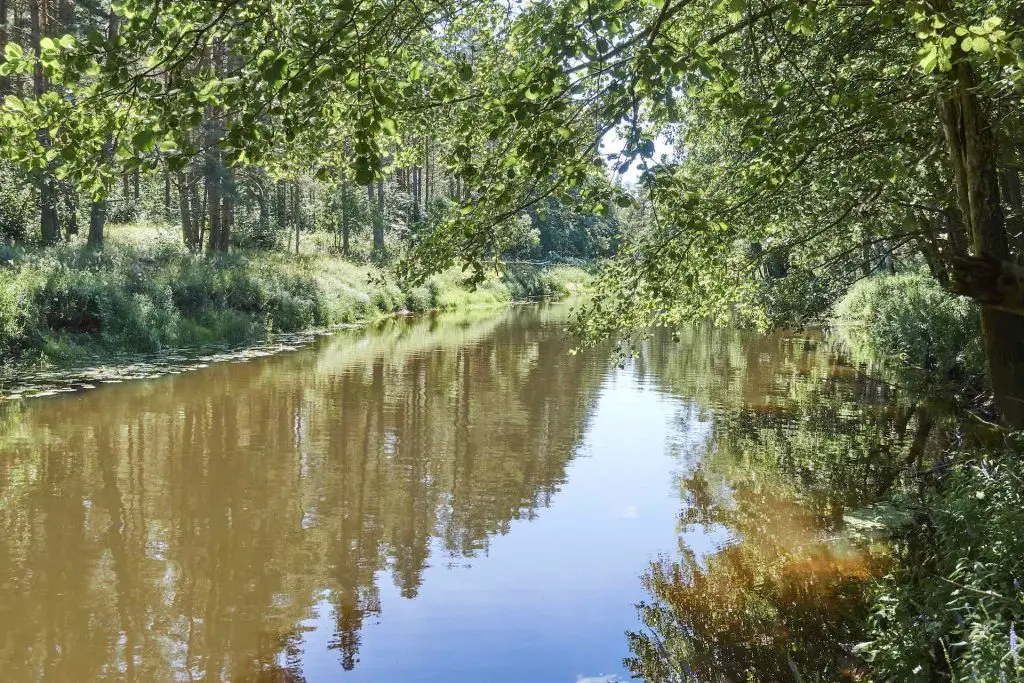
1013 641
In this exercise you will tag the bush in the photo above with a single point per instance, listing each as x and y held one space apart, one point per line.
908 322
529 281
954 608
17 210
797 300
144 292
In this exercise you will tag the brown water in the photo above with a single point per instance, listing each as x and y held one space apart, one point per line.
455 498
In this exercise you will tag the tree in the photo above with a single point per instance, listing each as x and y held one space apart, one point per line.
838 136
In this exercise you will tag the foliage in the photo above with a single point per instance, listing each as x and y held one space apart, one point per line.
16 206
953 606
908 323
145 292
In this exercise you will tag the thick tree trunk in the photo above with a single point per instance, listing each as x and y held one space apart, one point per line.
49 226
97 221
227 221
5 83
213 205
972 153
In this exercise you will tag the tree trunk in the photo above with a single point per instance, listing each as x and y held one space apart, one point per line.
296 214
188 229
280 197
213 206
344 218
49 227
71 204
416 193
227 220
972 153
261 200
167 194
199 214
5 83
378 222
97 221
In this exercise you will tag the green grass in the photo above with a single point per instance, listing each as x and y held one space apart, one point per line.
143 292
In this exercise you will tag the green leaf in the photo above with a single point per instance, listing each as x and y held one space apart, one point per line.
930 61
388 126
144 139
980 44
13 52
382 62
14 103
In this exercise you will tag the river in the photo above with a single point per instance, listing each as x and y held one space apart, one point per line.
451 498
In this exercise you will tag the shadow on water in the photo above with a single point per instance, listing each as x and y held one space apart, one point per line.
800 448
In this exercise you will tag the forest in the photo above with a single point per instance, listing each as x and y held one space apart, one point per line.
176 173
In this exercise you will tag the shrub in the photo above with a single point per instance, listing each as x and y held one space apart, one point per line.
17 209
795 301
143 292
954 609
908 322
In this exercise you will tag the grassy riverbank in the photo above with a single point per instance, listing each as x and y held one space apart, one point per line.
952 604
143 292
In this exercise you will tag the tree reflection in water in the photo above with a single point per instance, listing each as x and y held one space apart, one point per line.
797 441
186 528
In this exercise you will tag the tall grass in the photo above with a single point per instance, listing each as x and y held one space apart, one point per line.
143 292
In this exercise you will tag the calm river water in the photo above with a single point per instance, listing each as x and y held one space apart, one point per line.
454 498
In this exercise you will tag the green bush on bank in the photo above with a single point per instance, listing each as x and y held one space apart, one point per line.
907 322
954 607
145 295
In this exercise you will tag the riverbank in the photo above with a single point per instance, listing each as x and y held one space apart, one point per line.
143 292
950 606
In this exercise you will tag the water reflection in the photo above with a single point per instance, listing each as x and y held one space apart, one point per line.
181 528
447 499
798 441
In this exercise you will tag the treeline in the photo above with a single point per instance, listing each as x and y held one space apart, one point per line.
218 207
316 180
